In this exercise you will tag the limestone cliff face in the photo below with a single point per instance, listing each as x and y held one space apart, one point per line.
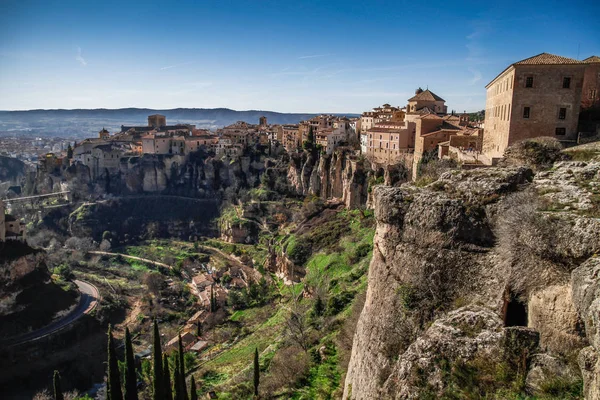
586 297
486 239
340 175
193 176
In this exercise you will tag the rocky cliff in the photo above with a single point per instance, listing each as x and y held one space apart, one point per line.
340 175
197 175
479 272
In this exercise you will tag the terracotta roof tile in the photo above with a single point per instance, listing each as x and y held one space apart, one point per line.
540 59
592 59
426 95
547 59
430 116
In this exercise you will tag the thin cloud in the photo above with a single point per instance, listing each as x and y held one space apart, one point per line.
314 56
475 48
79 58
175 65
476 76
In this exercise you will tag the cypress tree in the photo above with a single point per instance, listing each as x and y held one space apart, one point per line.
57 391
212 299
256 372
182 387
167 378
319 307
158 380
193 392
130 374
114 381
177 379
198 328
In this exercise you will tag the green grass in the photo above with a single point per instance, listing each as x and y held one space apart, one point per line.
345 247
240 355
323 379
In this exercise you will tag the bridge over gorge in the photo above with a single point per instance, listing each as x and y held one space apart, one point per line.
37 201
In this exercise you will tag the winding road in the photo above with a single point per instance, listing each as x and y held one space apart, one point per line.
87 302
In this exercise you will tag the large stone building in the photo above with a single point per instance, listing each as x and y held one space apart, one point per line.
590 96
537 96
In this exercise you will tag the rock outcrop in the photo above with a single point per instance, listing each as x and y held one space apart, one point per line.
340 175
498 238
586 297
196 175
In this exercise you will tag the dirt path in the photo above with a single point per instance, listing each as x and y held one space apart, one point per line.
105 253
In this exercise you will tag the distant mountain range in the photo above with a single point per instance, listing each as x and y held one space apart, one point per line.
85 122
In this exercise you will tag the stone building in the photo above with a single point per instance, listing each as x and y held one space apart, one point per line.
385 113
10 227
590 96
290 138
389 143
14 229
425 102
157 121
103 134
537 96
436 132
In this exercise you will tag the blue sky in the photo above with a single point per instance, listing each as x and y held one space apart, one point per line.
288 56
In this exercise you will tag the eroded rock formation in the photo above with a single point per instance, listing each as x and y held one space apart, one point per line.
517 250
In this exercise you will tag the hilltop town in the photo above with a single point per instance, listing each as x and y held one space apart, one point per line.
544 95
259 237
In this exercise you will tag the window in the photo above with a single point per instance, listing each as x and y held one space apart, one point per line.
592 94
529 82
566 82
561 131
562 113
526 111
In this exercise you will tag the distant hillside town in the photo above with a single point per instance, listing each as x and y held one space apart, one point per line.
544 95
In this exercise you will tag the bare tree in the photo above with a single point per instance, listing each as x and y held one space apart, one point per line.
298 328
154 281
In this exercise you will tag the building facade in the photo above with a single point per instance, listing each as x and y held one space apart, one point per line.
590 96
537 96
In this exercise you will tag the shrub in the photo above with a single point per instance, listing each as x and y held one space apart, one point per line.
538 153
289 366
337 303
65 271
299 252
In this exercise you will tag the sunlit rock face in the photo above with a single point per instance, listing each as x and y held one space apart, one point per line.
474 264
